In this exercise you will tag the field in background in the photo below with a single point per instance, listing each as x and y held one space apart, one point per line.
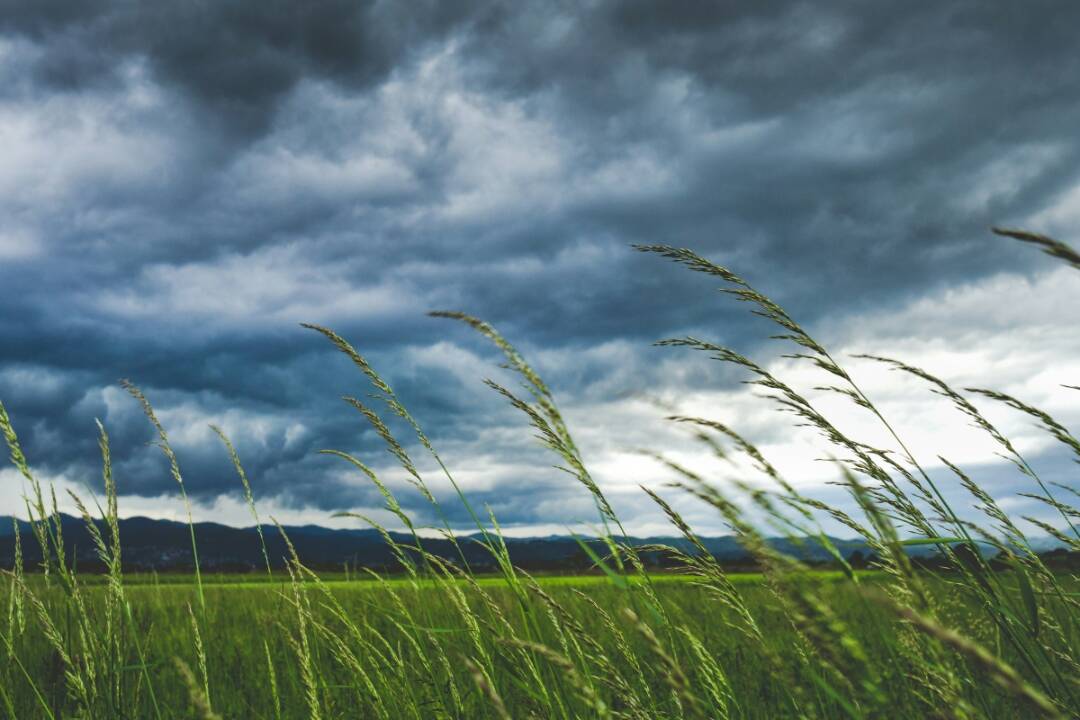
361 579
994 638
243 615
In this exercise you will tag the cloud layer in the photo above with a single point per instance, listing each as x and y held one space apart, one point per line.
184 183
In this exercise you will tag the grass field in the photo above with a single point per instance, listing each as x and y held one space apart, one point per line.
245 621
979 640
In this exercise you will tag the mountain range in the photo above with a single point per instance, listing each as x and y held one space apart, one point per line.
164 545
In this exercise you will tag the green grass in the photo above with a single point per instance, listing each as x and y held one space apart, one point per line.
241 615
437 642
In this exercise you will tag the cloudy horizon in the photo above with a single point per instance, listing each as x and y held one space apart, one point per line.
184 184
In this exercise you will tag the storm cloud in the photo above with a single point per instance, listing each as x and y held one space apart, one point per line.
182 184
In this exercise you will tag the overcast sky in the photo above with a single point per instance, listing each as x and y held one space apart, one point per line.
183 183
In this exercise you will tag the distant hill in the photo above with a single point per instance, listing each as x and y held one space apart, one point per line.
165 545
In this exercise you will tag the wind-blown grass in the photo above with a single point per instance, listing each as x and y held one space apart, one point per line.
982 638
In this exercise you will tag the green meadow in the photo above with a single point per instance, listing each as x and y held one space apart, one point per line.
987 635
249 635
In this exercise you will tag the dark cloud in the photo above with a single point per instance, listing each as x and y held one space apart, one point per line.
236 59
187 181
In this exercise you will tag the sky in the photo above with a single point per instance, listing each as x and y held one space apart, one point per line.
183 183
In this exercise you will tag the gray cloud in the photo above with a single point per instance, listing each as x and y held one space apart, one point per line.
237 60
186 182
